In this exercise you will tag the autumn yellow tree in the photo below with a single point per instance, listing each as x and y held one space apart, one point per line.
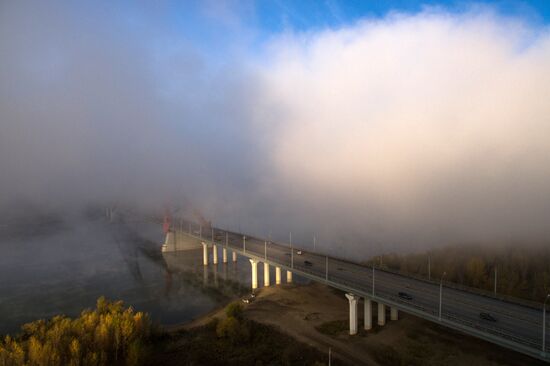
109 334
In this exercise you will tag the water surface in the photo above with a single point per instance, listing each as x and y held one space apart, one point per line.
64 265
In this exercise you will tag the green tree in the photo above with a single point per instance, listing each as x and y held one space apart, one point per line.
234 310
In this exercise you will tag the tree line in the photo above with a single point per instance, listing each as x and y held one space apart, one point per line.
521 271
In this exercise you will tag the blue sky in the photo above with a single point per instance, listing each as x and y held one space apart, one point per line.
303 15
219 30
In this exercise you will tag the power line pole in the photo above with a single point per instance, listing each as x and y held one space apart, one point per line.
291 251
429 268
373 279
441 294
326 269
495 279
544 325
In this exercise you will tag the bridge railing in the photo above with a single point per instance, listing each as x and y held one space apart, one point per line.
206 233
209 234
216 235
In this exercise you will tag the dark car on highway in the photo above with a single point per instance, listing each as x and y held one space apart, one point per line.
487 316
308 263
405 296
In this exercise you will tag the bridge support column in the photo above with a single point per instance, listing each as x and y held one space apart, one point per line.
254 264
169 242
393 313
368 314
234 256
204 254
288 277
266 274
277 275
352 313
224 255
215 253
381 314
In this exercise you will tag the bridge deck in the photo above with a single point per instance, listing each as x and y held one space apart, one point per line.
518 325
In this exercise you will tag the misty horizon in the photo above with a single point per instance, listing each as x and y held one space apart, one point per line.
400 131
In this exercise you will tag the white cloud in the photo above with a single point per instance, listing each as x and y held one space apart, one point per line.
409 129
430 126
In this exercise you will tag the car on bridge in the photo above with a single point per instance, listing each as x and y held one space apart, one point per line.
299 252
405 296
487 316
308 263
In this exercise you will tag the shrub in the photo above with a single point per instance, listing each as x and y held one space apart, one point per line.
234 330
333 328
234 310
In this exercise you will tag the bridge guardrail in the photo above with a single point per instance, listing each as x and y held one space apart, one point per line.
449 318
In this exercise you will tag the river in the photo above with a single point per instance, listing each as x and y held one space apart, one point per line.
61 266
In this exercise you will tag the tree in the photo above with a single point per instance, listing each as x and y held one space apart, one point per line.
99 337
234 310
476 272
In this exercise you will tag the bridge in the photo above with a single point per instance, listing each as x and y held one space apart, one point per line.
515 324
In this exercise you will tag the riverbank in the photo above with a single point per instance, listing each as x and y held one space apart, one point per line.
227 337
216 313
317 316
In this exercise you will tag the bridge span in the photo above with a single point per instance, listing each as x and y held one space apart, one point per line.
516 324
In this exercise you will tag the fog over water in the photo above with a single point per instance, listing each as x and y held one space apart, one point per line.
392 133
62 264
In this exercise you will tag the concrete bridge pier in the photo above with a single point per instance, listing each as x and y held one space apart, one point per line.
234 256
254 264
394 313
381 314
368 314
224 255
288 277
204 254
352 313
277 275
170 242
215 253
266 274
